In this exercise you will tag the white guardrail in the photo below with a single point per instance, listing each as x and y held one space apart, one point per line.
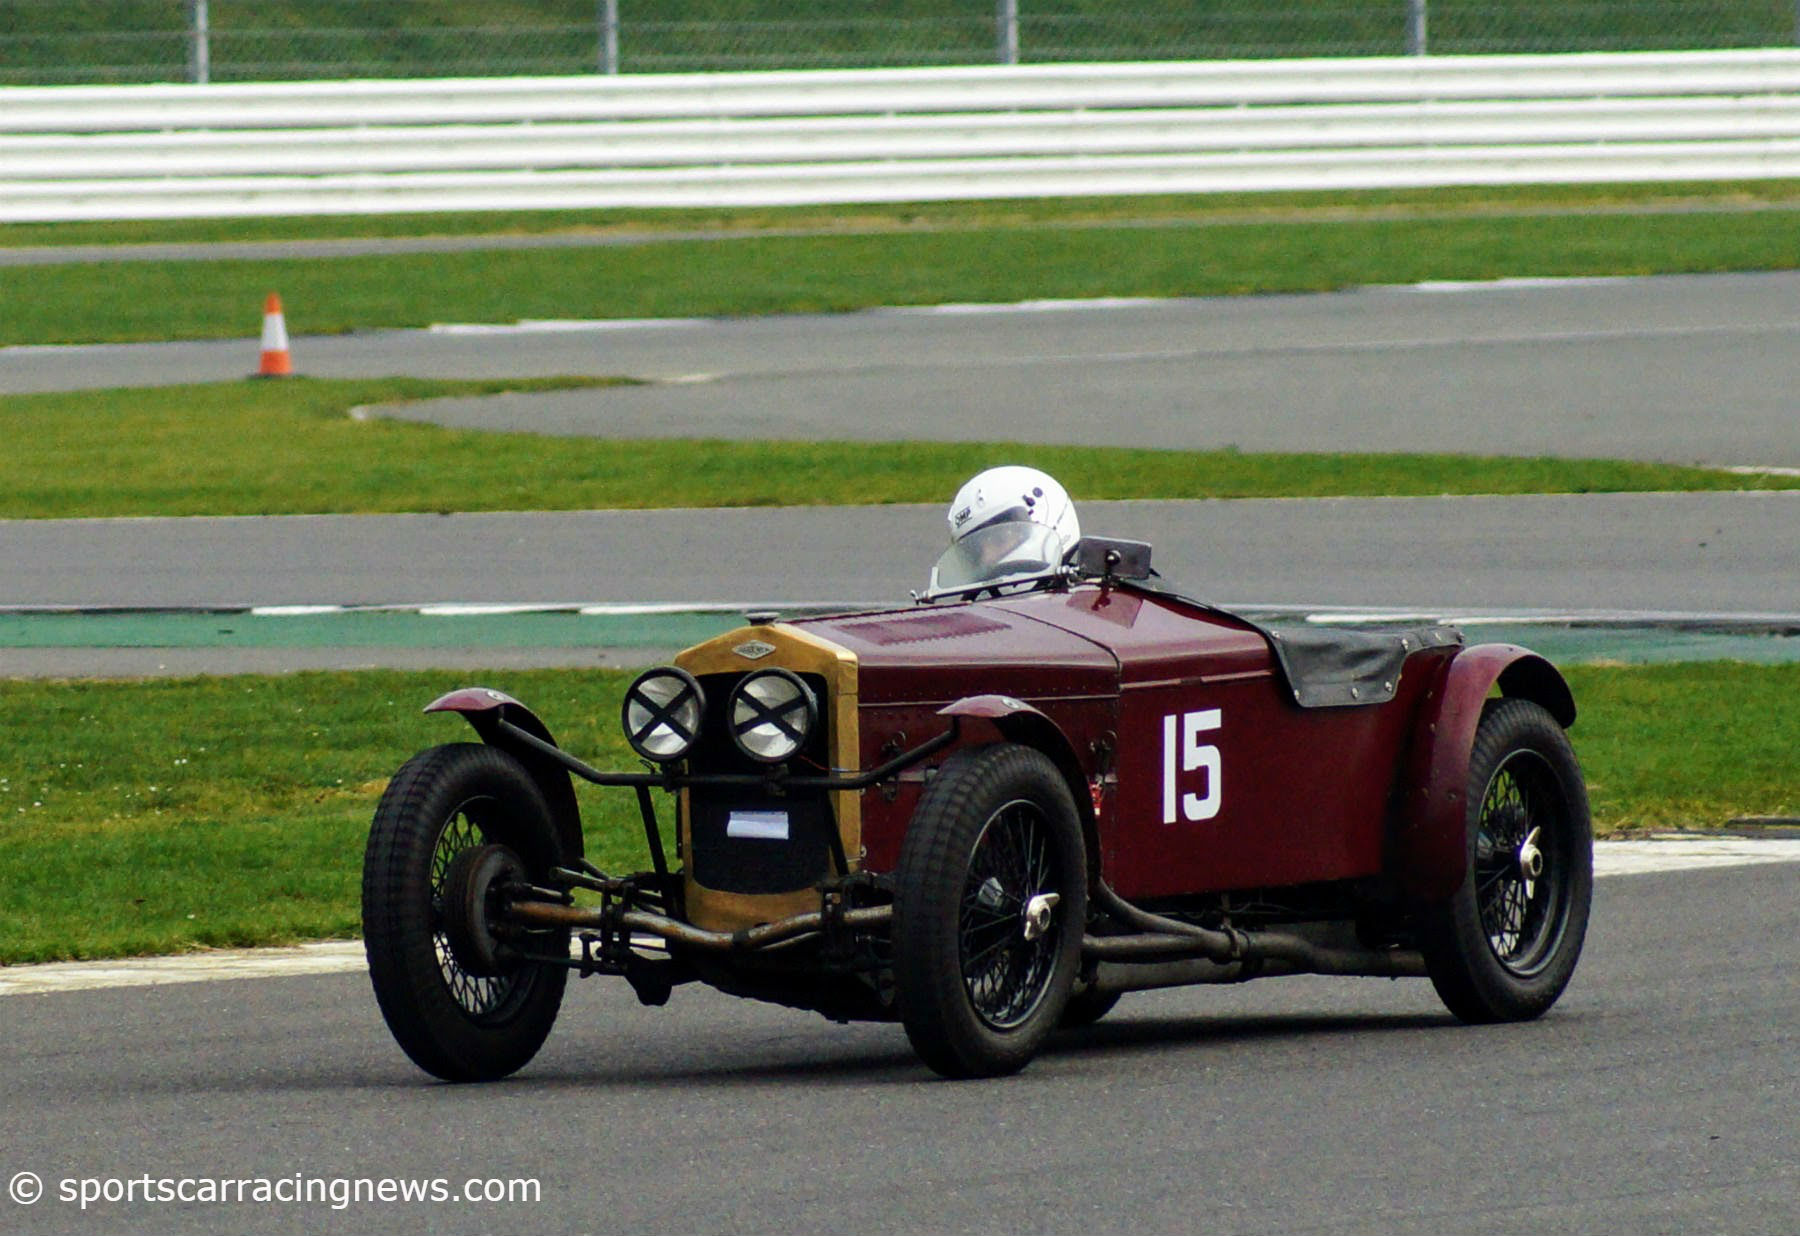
740 139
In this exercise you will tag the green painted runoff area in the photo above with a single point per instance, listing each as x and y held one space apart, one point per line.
1640 645
1574 643
360 629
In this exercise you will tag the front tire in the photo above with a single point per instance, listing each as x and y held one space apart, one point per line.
457 1021
990 900
1504 945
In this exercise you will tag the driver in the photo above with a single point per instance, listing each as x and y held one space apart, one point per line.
1006 522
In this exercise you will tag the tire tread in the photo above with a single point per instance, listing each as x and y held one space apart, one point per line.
945 1031
1470 981
433 1031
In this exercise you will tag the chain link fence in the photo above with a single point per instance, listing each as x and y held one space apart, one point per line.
86 41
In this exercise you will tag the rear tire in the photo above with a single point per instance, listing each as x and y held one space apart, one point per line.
1504 945
990 901
458 1022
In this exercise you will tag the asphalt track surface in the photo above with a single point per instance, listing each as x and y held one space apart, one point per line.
1688 368
1724 552
1658 1096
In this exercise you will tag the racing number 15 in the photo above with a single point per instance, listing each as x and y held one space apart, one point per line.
1188 755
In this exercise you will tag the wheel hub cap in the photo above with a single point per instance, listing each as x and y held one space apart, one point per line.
1531 863
1037 914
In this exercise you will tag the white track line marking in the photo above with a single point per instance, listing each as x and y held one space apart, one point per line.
480 609
1760 470
562 326
1318 615
327 957
1049 305
1688 853
1611 858
1512 283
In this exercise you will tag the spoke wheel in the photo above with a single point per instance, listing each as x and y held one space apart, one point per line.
456 1018
1504 945
1517 886
991 896
1005 965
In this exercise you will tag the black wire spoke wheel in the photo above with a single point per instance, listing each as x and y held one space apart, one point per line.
1504 945
990 902
483 997
456 1020
1004 964
1518 884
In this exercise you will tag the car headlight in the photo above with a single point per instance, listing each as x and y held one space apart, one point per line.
662 714
772 713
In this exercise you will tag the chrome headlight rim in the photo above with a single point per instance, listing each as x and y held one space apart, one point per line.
678 714
771 731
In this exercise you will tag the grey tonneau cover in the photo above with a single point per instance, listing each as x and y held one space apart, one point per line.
1332 667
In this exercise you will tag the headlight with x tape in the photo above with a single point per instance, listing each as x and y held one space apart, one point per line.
771 715
662 713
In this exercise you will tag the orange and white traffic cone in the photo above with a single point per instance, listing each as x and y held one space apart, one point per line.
276 363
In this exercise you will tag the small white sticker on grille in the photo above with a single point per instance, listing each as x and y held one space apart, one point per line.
758 825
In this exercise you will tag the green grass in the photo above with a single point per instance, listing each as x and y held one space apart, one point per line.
159 816
1687 745
1176 210
154 816
812 273
289 447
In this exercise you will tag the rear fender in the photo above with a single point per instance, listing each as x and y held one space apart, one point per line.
1019 722
485 709
1430 844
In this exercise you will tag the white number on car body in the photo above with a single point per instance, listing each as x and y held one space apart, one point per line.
1183 752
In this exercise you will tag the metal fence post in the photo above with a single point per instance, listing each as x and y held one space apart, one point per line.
609 37
1006 22
199 44
1415 27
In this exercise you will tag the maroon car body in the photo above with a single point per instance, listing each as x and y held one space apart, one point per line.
1310 793
992 816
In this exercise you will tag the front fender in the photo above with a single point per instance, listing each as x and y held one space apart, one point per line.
1020 722
1430 841
484 709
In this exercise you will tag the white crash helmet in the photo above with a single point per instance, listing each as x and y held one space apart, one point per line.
1009 527
1013 493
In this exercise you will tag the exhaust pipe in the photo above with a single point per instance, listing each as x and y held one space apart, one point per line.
549 914
1166 952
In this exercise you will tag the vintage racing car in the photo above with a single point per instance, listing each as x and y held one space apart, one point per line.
1052 781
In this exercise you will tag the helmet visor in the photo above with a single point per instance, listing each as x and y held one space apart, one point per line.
998 553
